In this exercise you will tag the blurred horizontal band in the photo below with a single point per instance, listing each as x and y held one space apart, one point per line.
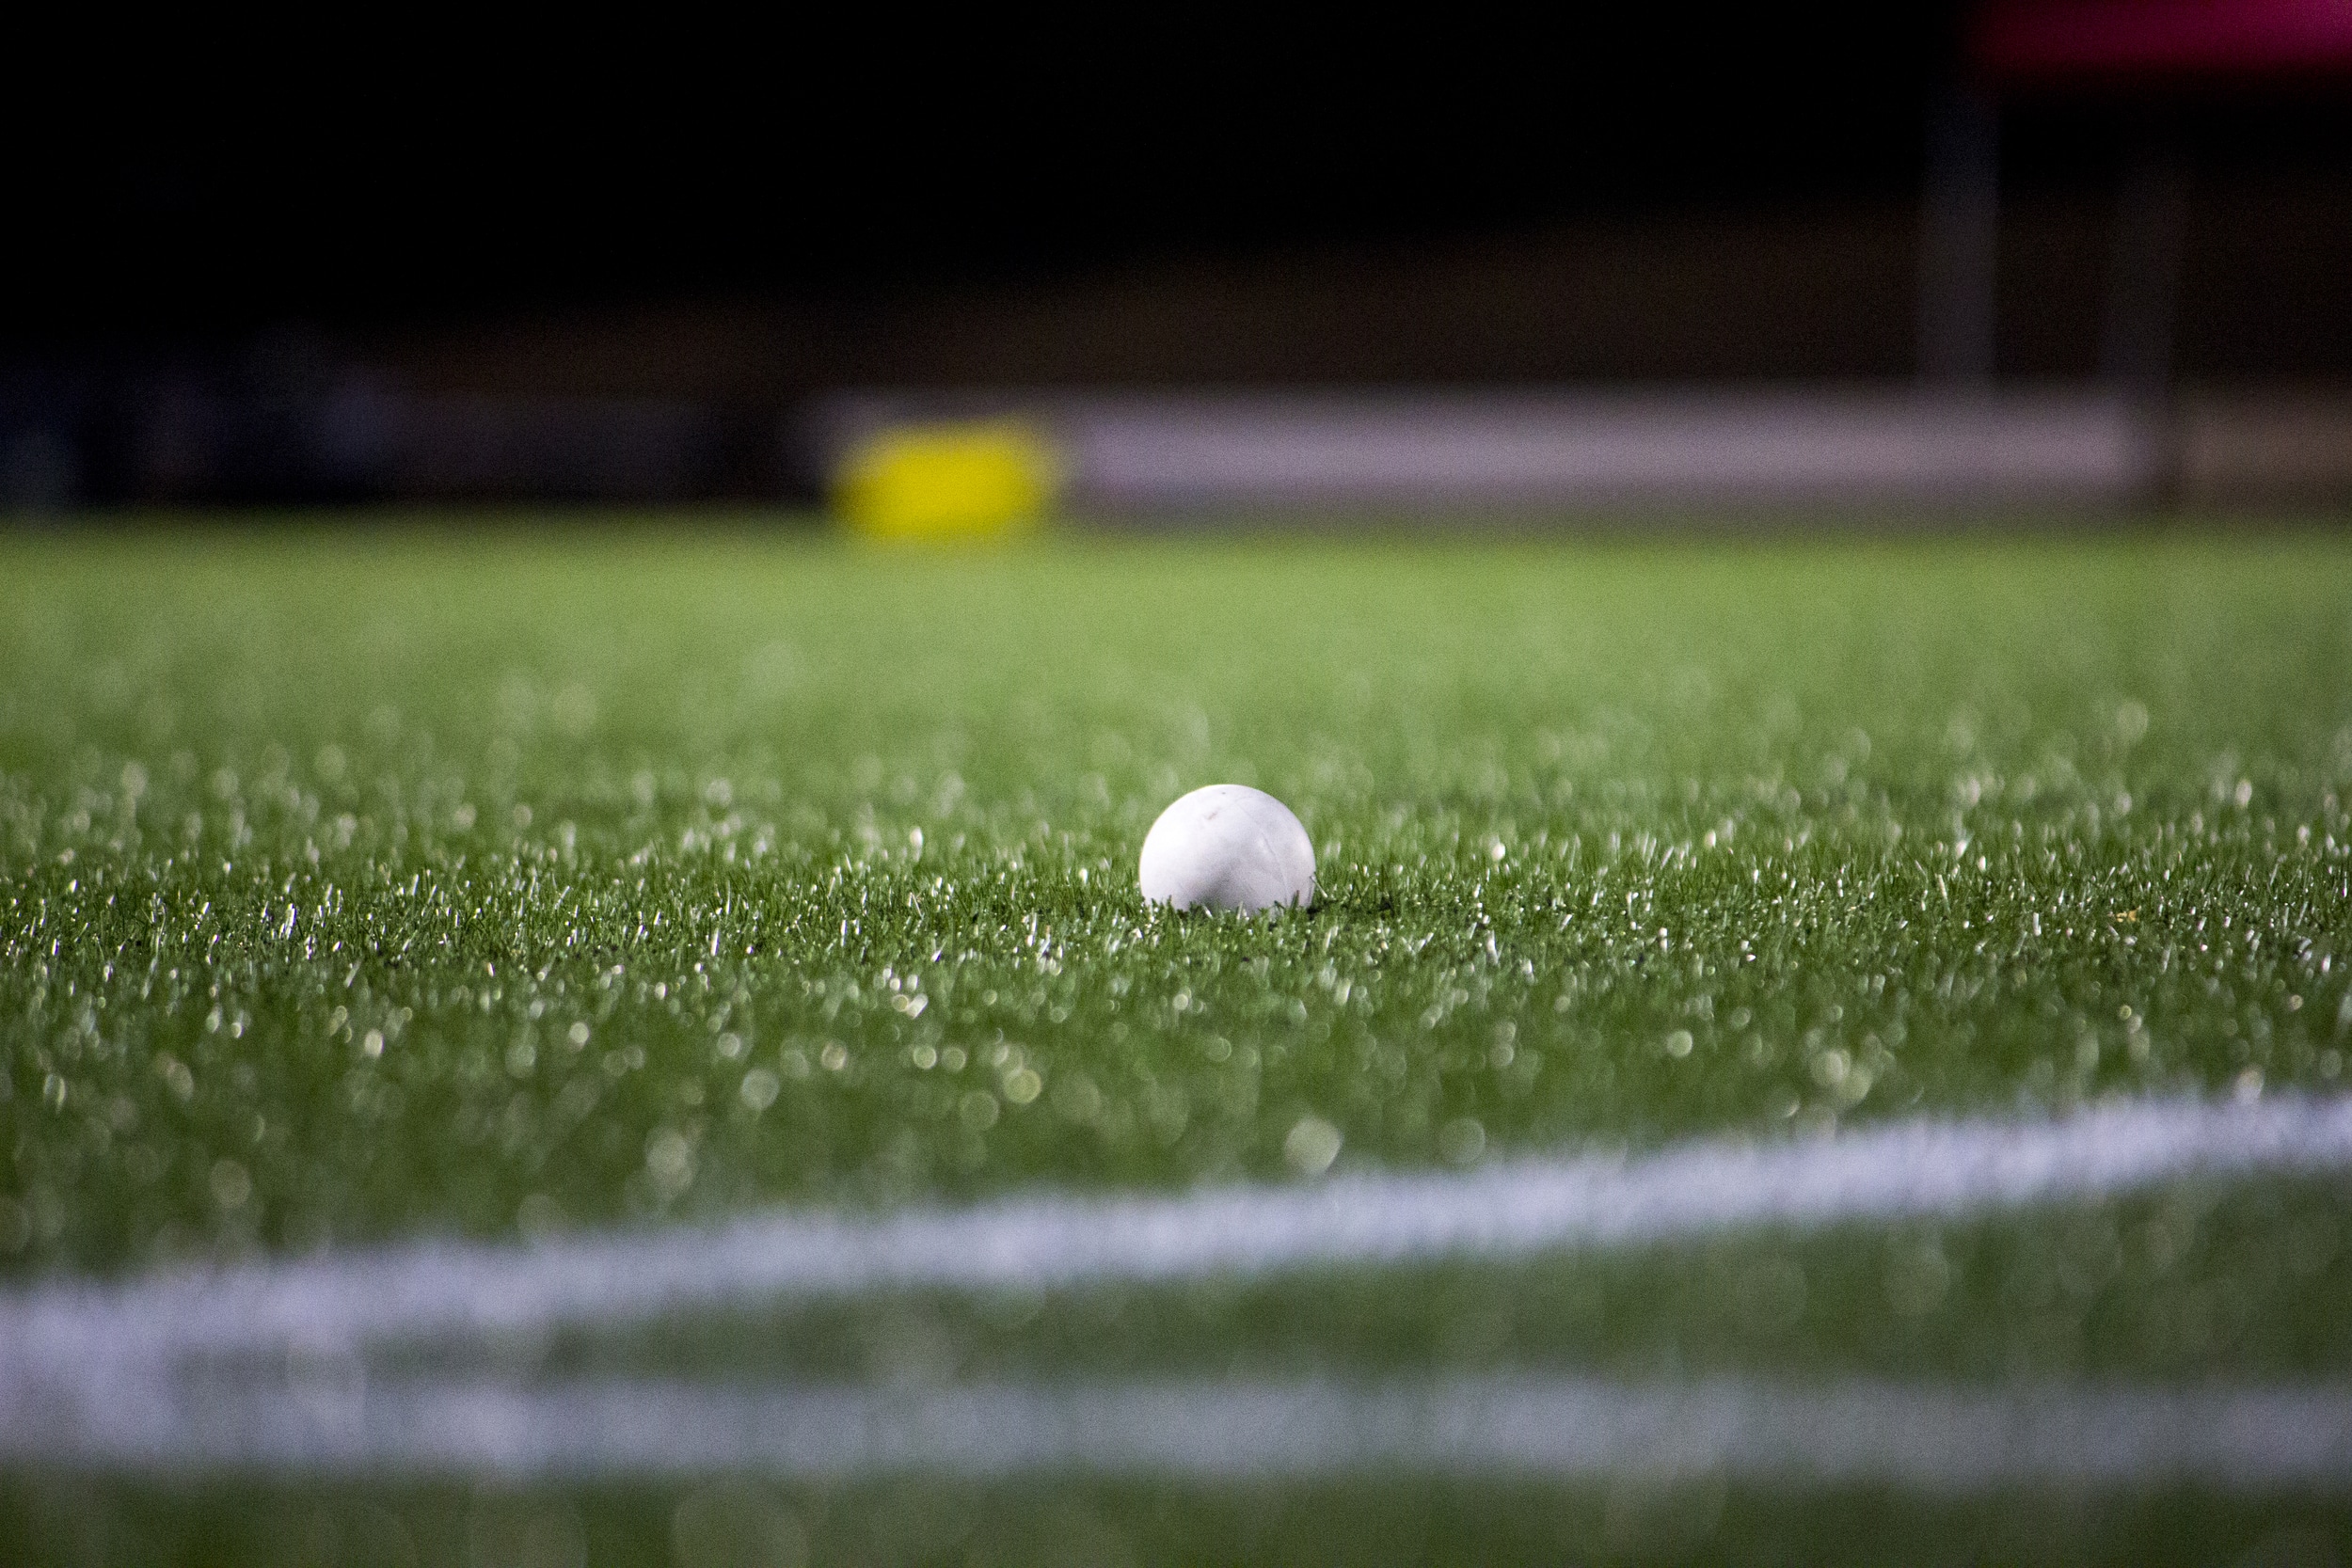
61 1341
1147 454
1938 1439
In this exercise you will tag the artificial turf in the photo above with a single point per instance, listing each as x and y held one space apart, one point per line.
360 885
363 884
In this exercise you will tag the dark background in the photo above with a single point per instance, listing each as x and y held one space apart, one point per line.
622 280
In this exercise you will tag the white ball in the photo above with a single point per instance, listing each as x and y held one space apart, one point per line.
1227 847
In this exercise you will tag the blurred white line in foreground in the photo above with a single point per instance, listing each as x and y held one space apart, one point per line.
438 1292
1943 1439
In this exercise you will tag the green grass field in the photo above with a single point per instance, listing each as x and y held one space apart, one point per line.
515 885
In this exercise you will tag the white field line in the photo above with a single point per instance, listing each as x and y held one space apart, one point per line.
439 1290
1948 1439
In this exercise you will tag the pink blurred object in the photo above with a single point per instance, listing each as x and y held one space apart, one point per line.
2175 39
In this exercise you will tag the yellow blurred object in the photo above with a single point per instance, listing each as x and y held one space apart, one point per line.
948 482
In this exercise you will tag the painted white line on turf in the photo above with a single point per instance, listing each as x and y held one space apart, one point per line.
433 1292
1952 1439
